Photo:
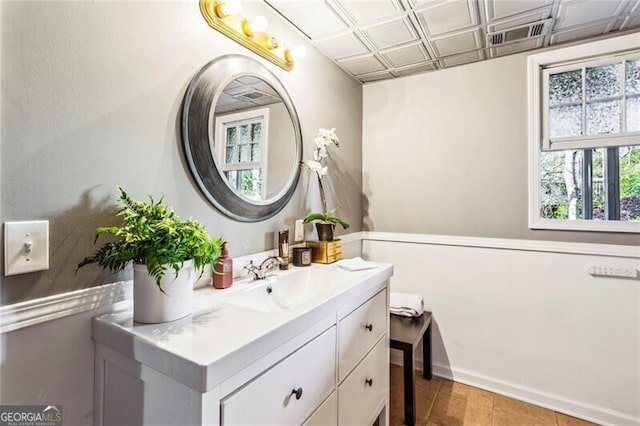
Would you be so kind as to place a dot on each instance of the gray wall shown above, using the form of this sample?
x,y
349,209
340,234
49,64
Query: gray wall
x,y
91,98
446,153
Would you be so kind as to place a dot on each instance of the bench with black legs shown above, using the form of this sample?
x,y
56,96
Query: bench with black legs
x,y
406,333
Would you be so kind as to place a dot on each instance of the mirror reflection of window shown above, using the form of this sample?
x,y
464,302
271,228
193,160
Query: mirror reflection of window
x,y
241,155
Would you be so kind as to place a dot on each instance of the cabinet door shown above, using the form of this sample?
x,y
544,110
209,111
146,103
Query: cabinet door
x,y
326,414
359,330
364,392
271,398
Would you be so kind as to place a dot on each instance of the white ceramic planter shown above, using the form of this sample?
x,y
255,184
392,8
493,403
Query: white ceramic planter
x,y
150,305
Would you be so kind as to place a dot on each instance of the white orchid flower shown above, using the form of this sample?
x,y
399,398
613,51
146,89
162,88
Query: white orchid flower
x,y
329,135
320,153
321,142
316,167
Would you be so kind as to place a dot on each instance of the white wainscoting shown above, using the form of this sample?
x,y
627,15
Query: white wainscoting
x,y
46,349
525,319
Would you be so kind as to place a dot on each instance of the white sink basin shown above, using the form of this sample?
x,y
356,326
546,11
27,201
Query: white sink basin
x,y
286,290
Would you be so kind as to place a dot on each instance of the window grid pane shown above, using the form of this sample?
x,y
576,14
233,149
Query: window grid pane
x,y
562,195
565,121
632,81
565,88
603,117
596,100
602,82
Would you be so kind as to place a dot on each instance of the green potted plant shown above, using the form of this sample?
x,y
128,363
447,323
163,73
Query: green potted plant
x,y
165,250
326,220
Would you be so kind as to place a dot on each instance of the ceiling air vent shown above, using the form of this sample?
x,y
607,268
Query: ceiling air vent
x,y
252,96
519,33
496,38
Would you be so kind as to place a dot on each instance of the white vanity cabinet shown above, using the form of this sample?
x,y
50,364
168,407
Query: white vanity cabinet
x,y
287,393
323,363
364,362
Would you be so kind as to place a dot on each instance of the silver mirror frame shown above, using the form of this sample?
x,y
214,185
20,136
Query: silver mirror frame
x,y
197,113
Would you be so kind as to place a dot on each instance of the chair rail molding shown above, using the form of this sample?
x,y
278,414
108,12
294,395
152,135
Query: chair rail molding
x,y
37,311
608,250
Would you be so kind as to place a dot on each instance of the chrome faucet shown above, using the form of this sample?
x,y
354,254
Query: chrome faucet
x,y
260,272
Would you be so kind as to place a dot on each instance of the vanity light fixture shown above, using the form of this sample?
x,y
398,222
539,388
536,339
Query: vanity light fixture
x,y
224,16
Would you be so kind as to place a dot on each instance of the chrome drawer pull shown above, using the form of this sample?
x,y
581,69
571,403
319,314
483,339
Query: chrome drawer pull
x,y
369,327
369,382
297,393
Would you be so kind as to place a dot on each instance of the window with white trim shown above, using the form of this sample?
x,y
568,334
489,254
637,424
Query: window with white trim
x,y
584,107
242,151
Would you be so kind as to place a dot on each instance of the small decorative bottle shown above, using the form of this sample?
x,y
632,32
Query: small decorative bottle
x,y
283,248
223,269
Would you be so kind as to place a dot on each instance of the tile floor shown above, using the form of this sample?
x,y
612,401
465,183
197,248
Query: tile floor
x,y
446,403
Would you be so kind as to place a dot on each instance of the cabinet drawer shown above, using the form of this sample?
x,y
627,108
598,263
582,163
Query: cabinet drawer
x,y
365,390
359,331
270,398
326,414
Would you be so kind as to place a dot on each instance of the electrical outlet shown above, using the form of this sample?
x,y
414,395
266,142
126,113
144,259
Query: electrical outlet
x,y
299,231
26,247
612,271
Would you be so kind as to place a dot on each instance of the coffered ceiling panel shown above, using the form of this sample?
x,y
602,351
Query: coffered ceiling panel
x,y
583,12
464,58
406,55
457,43
416,69
517,20
391,33
344,45
362,65
497,9
365,12
385,75
379,39
446,16
583,32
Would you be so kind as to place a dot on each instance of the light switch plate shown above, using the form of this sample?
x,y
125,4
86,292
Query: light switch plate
x,y
26,247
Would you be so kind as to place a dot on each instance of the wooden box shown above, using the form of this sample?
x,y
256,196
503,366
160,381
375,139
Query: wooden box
x,y
325,251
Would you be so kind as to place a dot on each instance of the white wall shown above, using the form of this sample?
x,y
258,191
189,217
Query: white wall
x,y
526,323
91,98
451,148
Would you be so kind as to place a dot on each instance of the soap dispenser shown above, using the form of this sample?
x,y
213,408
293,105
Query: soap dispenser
x,y
223,269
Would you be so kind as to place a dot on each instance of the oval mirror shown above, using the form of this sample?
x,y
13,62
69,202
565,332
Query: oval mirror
x,y
241,138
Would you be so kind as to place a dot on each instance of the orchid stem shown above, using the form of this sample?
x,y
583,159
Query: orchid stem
x,y
323,198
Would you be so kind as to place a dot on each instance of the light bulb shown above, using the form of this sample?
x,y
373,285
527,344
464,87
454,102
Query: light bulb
x,y
271,43
259,23
232,7
299,51
228,8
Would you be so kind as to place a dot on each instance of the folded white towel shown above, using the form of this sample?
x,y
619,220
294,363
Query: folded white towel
x,y
356,264
406,304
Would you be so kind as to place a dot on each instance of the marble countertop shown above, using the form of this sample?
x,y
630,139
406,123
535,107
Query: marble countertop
x,y
219,339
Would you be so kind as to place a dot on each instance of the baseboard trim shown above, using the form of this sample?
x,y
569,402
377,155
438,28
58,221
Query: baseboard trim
x,y
587,412
609,250
37,311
